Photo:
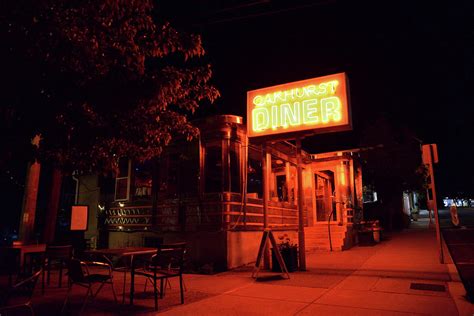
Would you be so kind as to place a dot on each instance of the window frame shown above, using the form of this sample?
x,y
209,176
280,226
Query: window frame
x,y
128,178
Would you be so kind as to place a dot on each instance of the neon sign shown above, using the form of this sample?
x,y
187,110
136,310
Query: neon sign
x,y
318,105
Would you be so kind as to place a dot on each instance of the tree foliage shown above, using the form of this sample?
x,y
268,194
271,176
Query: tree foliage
x,y
107,79
392,165
394,162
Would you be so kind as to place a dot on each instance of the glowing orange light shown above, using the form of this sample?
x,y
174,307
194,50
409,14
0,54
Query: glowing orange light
x,y
342,173
318,103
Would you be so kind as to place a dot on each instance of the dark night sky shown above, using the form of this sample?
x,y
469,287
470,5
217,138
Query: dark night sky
x,y
412,62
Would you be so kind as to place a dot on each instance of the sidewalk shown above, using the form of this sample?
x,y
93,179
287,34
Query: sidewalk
x,y
361,281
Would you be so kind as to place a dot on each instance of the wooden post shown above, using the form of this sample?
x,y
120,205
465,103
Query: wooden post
x,y
27,221
53,206
28,212
301,241
266,170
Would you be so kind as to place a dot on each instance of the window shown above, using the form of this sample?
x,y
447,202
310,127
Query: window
x,y
122,182
142,180
213,168
254,174
189,171
172,174
282,188
179,170
234,153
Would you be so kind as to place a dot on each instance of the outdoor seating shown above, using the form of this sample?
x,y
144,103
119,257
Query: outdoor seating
x,y
9,263
59,255
153,242
21,259
122,265
166,264
120,259
117,263
19,295
79,274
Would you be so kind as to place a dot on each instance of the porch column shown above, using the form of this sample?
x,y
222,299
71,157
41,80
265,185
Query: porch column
x,y
344,189
226,181
288,183
359,192
301,241
266,171
352,193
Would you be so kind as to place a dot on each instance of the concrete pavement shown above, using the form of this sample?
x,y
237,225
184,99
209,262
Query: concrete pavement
x,y
361,281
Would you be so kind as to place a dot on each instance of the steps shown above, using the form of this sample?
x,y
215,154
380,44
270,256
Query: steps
x,y
316,237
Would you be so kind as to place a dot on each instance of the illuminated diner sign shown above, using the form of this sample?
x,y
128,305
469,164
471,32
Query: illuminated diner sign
x,y
315,105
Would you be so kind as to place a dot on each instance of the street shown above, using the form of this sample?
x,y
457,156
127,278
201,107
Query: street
x,y
460,242
466,218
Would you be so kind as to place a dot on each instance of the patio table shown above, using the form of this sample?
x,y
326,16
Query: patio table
x,y
18,253
123,252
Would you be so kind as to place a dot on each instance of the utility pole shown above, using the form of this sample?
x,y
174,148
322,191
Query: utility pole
x,y
430,157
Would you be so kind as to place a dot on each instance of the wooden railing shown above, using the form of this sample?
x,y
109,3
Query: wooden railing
x,y
211,213
128,217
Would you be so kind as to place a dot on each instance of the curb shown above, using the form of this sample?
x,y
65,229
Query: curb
x,y
455,287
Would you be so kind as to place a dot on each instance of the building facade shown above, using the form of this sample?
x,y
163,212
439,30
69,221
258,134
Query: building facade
x,y
209,193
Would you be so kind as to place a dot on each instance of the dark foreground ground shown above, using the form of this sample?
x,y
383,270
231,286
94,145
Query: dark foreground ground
x,y
399,276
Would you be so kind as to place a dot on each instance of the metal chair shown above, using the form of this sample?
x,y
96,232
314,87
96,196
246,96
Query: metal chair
x,y
20,294
167,263
121,266
154,242
79,274
56,254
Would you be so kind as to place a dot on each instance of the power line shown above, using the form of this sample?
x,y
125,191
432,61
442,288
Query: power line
x,y
267,13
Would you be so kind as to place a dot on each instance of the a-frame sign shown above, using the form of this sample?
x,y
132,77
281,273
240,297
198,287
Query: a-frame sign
x,y
267,234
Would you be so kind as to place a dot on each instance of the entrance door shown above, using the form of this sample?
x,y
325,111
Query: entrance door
x,y
281,188
325,201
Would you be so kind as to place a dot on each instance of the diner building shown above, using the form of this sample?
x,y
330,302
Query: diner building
x,y
209,193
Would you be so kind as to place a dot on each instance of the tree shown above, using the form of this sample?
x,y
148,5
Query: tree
x,y
101,79
392,166
118,82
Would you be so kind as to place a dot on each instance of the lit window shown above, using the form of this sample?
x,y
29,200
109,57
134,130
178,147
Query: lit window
x,y
122,182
